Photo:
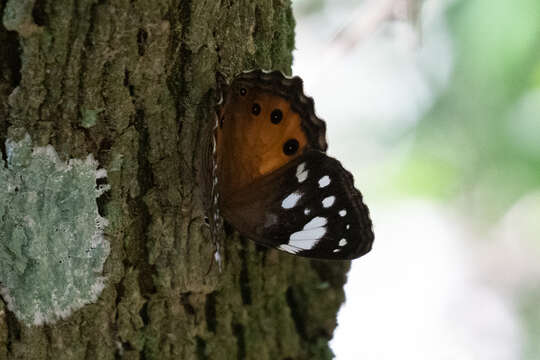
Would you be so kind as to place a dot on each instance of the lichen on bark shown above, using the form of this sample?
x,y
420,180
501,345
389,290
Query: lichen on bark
x,y
53,249
147,70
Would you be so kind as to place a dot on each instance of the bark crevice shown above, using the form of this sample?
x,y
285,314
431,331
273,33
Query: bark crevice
x,y
145,179
38,13
239,333
10,74
296,312
210,312
244,280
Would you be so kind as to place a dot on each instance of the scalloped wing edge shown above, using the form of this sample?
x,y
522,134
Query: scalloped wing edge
x,y
292,89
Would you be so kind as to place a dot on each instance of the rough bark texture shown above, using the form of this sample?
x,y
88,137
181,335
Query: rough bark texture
x,y
144,72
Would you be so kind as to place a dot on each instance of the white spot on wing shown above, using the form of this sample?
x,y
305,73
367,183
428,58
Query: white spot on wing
x,y
336,250
301,172
329,201
305,244
324,181
310,235
348,226
306,211
342,242
315,222
288,248
307,235
342,213
290,201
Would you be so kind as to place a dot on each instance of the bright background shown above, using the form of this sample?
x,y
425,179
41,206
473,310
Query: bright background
x,y
434,106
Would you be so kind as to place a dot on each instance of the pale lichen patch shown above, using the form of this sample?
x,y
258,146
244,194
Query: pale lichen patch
x,y
52,246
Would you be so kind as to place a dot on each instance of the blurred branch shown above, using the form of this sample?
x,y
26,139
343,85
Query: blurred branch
x,y
414,8
369,16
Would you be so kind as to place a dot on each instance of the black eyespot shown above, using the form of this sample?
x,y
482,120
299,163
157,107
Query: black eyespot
x,y
290,147
276,116
256,109
243,91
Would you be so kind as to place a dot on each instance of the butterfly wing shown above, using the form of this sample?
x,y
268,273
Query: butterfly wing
x,y
275,183
310,208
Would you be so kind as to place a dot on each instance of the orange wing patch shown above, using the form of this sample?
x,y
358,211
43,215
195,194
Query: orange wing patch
x,y
258,133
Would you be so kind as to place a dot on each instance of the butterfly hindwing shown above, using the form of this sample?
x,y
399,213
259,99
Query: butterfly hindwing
x,y
312,209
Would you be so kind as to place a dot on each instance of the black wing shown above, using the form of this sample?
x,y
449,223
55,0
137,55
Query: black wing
x,y
309,208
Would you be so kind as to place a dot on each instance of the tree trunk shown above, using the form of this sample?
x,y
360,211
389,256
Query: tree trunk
x,y
133,83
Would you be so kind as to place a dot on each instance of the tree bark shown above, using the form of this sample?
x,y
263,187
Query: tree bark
x,y
133,83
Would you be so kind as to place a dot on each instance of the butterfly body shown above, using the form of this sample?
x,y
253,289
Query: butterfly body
x,y
275,184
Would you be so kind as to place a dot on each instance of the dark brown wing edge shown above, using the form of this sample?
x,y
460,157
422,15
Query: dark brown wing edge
x,y
292,89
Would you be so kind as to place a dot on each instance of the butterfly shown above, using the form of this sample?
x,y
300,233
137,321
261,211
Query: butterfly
x,y
273,181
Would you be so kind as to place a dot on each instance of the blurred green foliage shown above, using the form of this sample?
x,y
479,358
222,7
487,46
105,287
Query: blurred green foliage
x,y
531,313
479,146
480,143
307,7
